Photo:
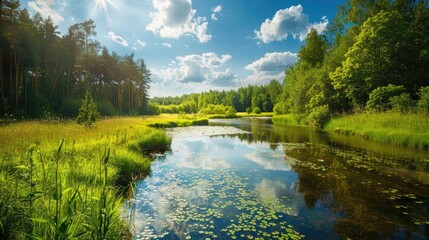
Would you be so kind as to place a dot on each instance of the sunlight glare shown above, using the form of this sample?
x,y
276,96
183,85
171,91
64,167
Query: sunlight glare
x,y
105,6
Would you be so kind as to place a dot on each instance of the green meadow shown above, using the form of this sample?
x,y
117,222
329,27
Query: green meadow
x,y
59,180
411,130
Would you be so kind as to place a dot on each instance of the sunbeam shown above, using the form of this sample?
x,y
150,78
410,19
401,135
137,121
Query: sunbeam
x,y
105,6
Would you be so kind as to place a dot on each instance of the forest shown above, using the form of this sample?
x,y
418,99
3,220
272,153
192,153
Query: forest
x,y
45,73
374,57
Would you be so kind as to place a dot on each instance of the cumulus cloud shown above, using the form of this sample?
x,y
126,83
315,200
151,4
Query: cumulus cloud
x,y
194,73
118,39
216,11
176,18
45,8
167,45
197,68
287,21
273,62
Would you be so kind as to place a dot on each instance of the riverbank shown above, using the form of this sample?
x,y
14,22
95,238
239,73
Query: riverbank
x,y
410,130
58,179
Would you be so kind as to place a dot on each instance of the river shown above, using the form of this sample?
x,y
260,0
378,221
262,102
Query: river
x,y
248,179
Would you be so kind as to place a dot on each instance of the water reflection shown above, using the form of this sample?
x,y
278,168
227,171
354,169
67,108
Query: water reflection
x,y
282,182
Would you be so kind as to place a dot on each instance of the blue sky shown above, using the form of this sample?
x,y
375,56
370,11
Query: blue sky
x,y
197,45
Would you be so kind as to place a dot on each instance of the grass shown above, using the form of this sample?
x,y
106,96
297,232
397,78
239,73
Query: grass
x,y
290,120
411,130
52,188
263,114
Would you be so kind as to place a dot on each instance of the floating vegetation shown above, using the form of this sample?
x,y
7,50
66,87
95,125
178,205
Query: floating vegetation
x,y
218,204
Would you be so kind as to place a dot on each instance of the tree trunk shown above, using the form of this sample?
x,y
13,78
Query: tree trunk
x,y
16,80
1,81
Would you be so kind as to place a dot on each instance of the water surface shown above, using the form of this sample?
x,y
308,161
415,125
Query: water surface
x,y
249,179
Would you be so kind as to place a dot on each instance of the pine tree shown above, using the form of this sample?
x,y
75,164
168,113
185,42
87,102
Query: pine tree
x,y
88,113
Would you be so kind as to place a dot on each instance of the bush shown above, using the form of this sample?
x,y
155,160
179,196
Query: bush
x,y
228,111
153,109
248,110
106,108
319,115
153,141
257,110
70,108
423,103
402,103
379,99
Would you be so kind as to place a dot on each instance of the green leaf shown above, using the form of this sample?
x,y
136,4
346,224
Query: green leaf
x,y
95,198
39,220
21,167
66,190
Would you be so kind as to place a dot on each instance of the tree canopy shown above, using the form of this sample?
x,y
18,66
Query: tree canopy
x,y
43,72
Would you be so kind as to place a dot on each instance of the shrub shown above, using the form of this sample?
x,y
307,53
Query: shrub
x,y
379,99
153,109
153,141
106,108
319,115
257,110
70,107
228,111
402,103
248,110
423,103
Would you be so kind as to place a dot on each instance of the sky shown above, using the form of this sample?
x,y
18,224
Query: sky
x,y
198,45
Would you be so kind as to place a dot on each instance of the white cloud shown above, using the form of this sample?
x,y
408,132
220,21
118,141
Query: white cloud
x,y
167,45
176,18
118,39
141,43
44,7
193,73
222,79
215,11
261,78
273,62
288,21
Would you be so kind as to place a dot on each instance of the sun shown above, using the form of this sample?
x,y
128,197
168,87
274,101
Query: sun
x,y
105,7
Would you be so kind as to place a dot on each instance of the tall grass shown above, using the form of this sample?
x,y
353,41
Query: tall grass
x,y
71,189
290,120
410,130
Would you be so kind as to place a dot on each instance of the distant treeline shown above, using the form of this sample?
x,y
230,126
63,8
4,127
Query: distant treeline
x,y
44,73
374,56
250,98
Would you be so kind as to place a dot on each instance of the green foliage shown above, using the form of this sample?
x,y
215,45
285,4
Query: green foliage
x,y
380,98
257,110
423,103
70,108
313,53
402,103
106,108
290,120
152,141
228,111
248,110
48,71
410,130
319,116
68,191
153,109
88,113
